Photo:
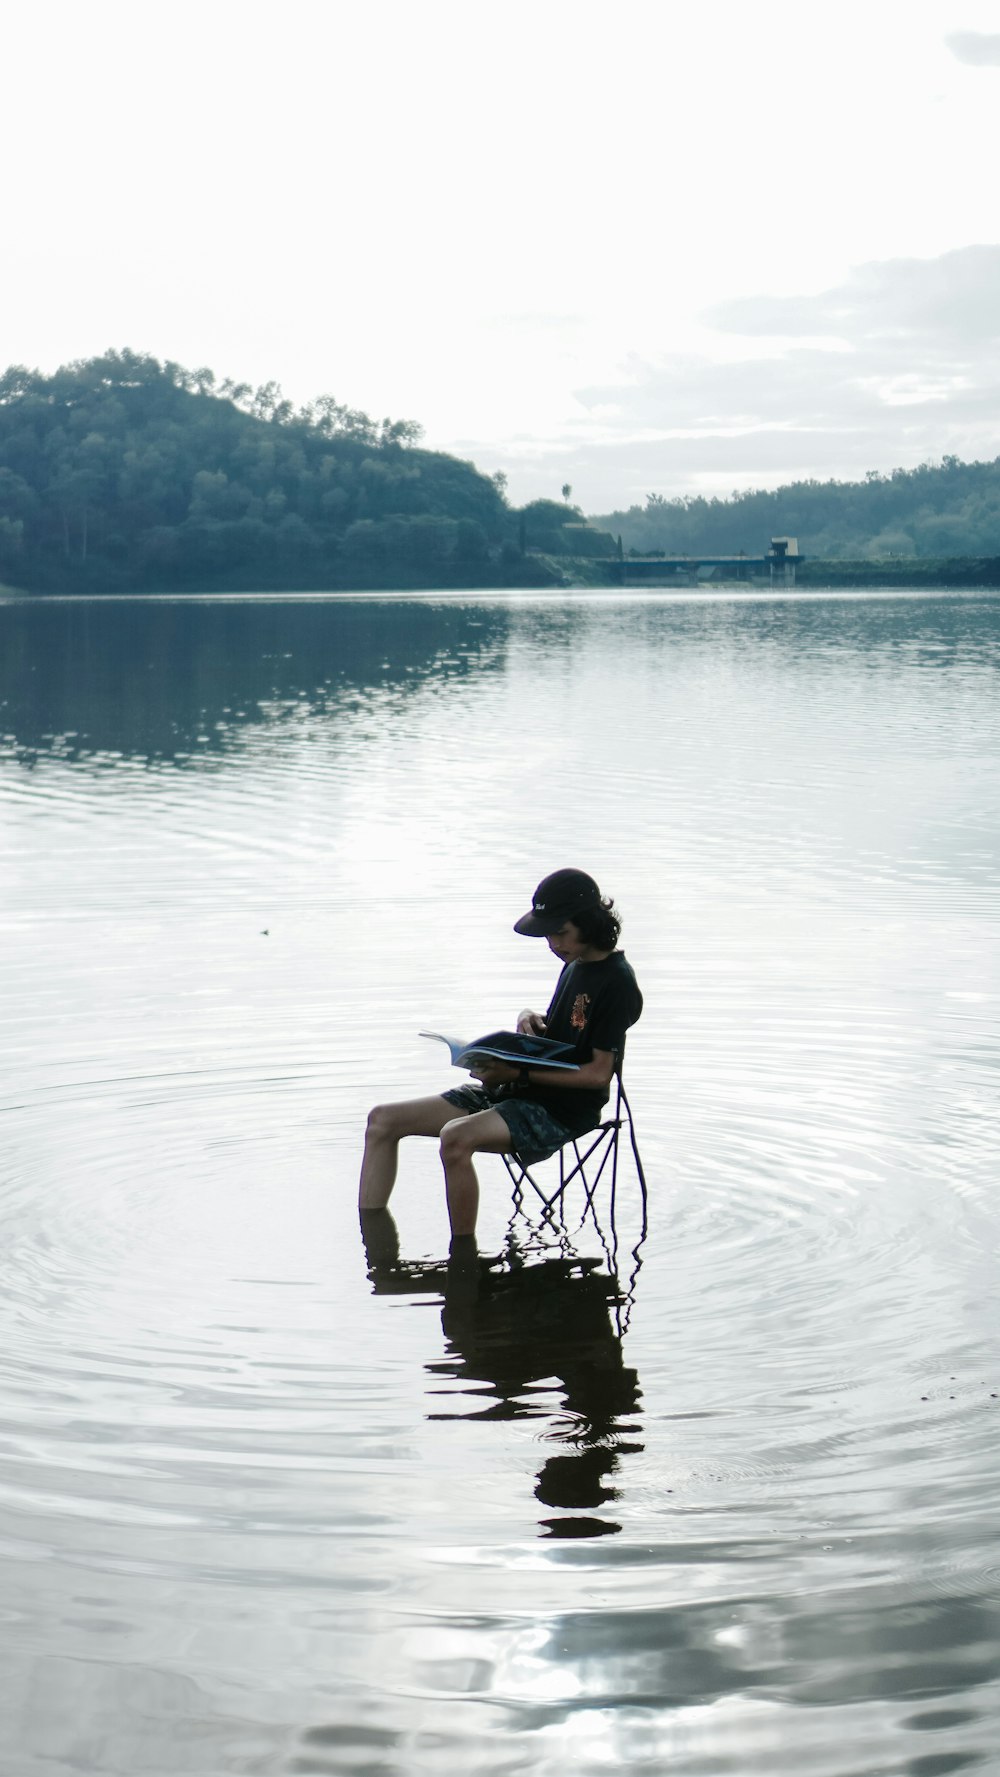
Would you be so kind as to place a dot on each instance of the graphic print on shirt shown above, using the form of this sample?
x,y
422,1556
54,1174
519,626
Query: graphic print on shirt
x,y
578,1016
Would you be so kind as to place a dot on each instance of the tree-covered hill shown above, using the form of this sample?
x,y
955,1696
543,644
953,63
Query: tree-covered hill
x,y
950,510
123,473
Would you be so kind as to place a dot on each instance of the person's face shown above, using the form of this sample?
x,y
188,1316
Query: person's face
x,y
568,945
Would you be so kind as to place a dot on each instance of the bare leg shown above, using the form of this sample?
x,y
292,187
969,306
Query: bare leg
x,y
485,1132
381,1240
387,1125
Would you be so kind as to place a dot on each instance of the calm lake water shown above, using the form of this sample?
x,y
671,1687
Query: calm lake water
x,y
723,1501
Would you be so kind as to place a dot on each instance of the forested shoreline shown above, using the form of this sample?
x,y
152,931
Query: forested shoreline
x,y
935,511
124,474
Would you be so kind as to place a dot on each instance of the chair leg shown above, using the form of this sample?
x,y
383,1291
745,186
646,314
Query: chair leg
x,y
519,1173
640,1173
570,1168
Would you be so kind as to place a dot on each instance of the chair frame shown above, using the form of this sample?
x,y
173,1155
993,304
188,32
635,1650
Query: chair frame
x,y
574,1157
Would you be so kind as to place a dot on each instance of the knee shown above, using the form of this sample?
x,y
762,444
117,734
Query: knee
x,y
381,1122
455,1144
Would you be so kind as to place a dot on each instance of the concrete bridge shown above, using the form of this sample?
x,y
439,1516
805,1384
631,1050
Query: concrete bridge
x,y
777,566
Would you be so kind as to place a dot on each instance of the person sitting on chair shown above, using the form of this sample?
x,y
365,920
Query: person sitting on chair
x,y
531,1112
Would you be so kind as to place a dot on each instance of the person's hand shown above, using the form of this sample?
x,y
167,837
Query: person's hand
x,y
531,1024
494,1073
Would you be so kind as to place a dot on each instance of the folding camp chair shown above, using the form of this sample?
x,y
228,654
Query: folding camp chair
x,y
587,1158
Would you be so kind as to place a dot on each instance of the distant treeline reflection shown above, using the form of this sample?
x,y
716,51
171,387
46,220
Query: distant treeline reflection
x,y
160,679
183,679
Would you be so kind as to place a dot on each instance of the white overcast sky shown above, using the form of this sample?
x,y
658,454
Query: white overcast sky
x,y
637,247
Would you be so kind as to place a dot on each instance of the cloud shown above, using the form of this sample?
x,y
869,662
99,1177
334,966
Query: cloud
x,y
933,302
897,365
979,49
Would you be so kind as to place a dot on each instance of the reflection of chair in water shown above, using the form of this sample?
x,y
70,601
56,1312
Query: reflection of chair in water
x,y
519,1329
522,1334
590,1158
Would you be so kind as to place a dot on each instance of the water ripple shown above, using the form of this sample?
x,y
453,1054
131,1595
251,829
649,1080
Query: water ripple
x,y
731,1511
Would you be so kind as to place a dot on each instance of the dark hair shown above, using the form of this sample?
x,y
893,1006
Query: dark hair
x,y
600,926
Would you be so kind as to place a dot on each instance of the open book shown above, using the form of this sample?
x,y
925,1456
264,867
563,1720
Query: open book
x,y
507,1045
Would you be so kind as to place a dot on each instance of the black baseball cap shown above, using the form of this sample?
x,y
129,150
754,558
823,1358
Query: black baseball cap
x,y
555,900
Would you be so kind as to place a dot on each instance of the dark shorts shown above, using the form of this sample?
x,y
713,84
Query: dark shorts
x,y
534,1132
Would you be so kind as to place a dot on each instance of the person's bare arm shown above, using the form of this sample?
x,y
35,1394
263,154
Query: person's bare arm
x,y
594,1075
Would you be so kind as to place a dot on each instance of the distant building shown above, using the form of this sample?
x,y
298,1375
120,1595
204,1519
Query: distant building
x,y
784,557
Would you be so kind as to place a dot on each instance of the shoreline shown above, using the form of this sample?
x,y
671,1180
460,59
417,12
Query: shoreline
x,y
557,574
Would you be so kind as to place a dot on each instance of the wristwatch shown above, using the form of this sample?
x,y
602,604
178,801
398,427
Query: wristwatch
x,y
524,1075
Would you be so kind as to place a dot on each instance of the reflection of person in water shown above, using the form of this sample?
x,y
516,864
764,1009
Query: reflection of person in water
x,y
519,1109
515,1327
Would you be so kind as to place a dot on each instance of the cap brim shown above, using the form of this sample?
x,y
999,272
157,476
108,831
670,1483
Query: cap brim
x,y
541,925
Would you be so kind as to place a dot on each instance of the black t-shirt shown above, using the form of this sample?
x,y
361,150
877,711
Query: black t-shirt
x,y
592,1007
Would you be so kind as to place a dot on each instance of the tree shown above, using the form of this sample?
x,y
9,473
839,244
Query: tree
x,y
953,508
17,381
